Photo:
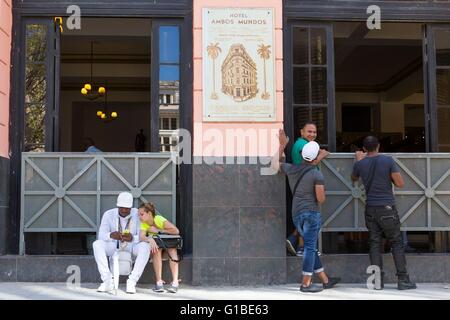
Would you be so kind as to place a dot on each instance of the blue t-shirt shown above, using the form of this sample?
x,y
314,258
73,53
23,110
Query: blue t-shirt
x,y
380,193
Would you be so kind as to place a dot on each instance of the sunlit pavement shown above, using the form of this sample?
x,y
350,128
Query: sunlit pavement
x,y
56,291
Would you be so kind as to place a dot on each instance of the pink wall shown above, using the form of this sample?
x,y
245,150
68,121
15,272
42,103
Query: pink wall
x,y
5,52
202,134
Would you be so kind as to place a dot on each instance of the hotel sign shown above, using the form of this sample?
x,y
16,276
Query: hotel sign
x,y
238,64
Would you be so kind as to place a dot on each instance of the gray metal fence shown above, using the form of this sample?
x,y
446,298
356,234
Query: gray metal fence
x,y
68,192
423,204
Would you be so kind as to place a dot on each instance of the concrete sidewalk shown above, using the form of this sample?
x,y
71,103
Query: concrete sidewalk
x,y
58,291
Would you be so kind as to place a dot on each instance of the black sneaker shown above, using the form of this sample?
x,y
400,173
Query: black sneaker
x,y
290,247
405,284
331,282
312,288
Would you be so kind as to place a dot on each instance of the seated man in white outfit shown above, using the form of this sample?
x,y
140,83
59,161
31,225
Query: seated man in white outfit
x,y
120,229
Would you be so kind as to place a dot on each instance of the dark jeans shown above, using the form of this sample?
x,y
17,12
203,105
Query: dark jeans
x,y
385,220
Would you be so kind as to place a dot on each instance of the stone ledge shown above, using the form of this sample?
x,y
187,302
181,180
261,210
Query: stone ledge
x,y
53,269
423,268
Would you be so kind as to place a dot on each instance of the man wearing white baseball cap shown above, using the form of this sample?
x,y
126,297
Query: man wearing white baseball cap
x,y
308,188
119,229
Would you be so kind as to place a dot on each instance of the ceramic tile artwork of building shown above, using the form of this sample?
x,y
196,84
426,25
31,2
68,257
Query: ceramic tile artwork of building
x,y
239,74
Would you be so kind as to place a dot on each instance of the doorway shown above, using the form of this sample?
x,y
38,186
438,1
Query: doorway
x,y
391,83
113,54
133,62
114,83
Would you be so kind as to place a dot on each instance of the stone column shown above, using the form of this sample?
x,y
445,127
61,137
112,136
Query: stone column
x,y
5,63
239,214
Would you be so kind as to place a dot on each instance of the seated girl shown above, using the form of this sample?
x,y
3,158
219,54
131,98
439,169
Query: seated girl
x,y
152,224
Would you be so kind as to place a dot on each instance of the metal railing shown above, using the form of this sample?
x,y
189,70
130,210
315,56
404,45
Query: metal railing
x,y
423,204
68,192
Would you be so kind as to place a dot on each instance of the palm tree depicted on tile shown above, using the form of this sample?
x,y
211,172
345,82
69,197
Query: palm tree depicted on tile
x,y
213,52
264,53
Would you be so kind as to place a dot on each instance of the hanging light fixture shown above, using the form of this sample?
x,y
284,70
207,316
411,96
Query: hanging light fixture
x,y
104,114
87,90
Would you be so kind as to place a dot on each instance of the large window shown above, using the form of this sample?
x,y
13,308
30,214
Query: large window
x,y
41,69
169,85
442,45
379,86
35,87
312,97
354,82
138,62
113,53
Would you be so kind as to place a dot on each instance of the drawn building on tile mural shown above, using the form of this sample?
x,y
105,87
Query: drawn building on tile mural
x,y
239,74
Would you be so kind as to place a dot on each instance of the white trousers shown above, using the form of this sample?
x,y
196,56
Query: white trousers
x,y
105,249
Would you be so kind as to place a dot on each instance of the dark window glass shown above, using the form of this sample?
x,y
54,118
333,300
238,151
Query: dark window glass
x,y
319,85
300,44
443,125
301,85
442,47
319,117
443,86
310,82
173,123
301,116
356,118
165,124
442,42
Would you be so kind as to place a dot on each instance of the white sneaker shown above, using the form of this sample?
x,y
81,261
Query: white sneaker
x,y
131,286
106,286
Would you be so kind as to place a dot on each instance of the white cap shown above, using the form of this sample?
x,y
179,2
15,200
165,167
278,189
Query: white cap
x,y
310,151
125,200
